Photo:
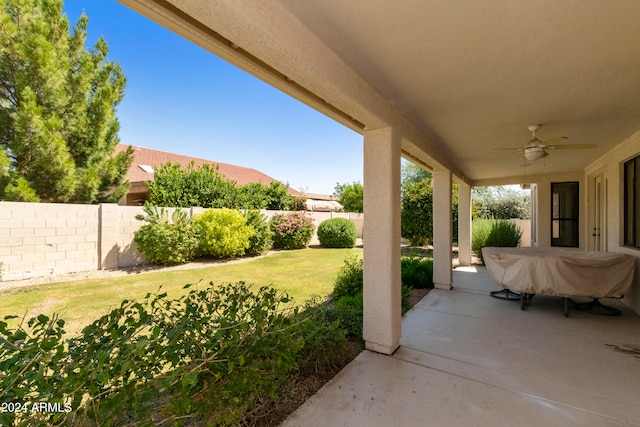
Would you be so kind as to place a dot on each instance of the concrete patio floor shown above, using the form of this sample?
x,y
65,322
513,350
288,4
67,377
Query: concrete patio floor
x,y
467,359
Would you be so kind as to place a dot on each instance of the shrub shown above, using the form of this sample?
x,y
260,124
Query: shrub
x,y
164,242
260,242
492,233
504,233
417,273
349,285
337,233
348,312
349,280
215,353
480,231
323,336
224,233
405,295
291,230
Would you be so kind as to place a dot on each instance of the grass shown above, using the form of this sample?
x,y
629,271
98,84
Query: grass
x,y
301,274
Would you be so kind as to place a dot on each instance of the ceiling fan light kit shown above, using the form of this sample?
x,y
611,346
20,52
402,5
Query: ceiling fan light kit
x,y
536,149
535,153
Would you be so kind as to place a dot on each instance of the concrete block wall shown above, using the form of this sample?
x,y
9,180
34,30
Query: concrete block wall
x,y
125,247
42,239
46,239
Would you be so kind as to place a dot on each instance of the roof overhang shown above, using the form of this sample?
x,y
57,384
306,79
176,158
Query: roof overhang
x,y
459,79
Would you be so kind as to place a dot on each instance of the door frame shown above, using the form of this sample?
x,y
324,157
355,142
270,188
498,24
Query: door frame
x,y
597,211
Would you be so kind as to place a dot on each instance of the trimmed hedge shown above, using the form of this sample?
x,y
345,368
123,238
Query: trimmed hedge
x,y
224,233
291,230
337,233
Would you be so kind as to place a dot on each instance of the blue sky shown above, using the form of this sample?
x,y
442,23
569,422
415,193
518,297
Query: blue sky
x,y
183,99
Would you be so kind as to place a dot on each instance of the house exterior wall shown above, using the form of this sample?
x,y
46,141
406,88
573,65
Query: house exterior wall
x,y
610,166
136,195
543,207
45,239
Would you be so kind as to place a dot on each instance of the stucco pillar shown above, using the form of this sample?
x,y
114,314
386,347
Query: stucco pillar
x,y
382,296
442,230
464,224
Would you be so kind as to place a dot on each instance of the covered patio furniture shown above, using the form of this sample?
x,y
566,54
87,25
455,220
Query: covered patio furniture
x,y
561,272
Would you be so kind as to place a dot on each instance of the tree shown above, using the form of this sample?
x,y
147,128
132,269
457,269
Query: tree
x,y
251,196
501,202
58,127
277,196
412,173
417,212
205,186
350,196
417,206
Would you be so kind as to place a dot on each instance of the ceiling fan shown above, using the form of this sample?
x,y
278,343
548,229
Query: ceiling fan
x,y
536,149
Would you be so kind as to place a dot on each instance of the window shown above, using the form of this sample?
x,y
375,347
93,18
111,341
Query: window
x,y
564,214
632,202
146,168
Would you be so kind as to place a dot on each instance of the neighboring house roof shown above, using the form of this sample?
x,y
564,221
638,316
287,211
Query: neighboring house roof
x,y
322,202
145,160
323,205
317,196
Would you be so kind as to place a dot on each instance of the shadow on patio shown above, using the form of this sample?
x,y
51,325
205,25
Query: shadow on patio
x,y
469,359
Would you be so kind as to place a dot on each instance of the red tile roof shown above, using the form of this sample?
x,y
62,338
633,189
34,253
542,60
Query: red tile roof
x,y
156,158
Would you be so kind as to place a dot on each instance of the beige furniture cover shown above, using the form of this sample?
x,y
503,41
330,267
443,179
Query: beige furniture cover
x,y
560,272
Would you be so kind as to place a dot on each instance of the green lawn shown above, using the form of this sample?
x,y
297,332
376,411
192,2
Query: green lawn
x,y
302,274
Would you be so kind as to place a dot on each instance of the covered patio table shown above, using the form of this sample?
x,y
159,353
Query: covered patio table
x,y
560,272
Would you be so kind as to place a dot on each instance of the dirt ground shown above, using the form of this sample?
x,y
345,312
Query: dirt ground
x,y
302,385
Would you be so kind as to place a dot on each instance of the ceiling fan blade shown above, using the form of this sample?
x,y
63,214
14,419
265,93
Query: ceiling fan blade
x,y
556,140
509,149
571,146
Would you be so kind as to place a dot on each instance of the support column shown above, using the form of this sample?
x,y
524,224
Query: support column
x,y
382,295
464,224
442,230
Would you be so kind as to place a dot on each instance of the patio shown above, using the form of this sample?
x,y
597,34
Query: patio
x,y
469,359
